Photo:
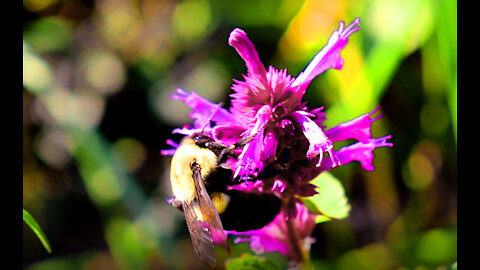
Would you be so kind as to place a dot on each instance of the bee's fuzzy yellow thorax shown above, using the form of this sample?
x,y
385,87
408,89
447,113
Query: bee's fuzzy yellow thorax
x,y
181,175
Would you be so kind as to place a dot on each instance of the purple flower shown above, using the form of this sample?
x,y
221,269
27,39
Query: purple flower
x,y
290,237
290,144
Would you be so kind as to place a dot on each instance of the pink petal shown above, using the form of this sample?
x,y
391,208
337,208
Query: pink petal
x,y
250,159
228,134
319,142
270,146
203,109
248,186
274,236
239,40
329,56
358,128
362,152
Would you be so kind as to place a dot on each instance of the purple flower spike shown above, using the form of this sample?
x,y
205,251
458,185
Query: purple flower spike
x,y
287,140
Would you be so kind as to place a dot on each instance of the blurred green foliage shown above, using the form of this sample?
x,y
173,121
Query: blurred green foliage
x,y
250,262
96,113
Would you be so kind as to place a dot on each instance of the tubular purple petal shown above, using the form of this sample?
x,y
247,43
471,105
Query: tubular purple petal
x,y
319,142
249,186
358,128
363,152
250,159
170,152
172,143
270,146
329,56
227,134
239,40
184,131
203,109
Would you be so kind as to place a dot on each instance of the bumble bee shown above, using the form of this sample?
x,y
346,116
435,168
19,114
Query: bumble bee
x,y
199,179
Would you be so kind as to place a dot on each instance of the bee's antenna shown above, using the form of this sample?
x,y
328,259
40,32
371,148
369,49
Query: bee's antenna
x,y
211,115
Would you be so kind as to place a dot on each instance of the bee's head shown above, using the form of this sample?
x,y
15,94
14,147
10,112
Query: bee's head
x,y
202,139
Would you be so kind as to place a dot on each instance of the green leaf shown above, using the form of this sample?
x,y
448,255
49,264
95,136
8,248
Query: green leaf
x,y
330,202
36,229
250,262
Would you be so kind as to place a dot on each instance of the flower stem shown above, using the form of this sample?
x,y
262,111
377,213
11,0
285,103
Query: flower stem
x,y
293,238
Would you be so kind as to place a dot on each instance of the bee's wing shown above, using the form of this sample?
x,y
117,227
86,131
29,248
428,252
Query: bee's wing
x,y
203,222
201,237
210,211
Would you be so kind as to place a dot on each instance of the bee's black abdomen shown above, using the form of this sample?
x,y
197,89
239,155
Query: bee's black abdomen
x,y
249,211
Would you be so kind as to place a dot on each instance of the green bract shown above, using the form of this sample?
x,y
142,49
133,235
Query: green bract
x,y
330,202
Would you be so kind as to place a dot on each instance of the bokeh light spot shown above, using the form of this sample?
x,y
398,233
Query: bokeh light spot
x,y
373,256
437,246
132,152
36,74
422,170
49,34
84,109
423,165
105,187
191,20
382,15
37,5
52,148
208,79
33,198
310,29
104,71
89,108
434,118
119,23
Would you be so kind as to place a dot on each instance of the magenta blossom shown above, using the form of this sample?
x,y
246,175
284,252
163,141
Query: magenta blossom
x,y
288,237
269,105
290,146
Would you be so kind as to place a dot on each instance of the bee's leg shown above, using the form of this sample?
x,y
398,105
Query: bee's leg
x,y
177,204
226,152
247,139
214,145
243,141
